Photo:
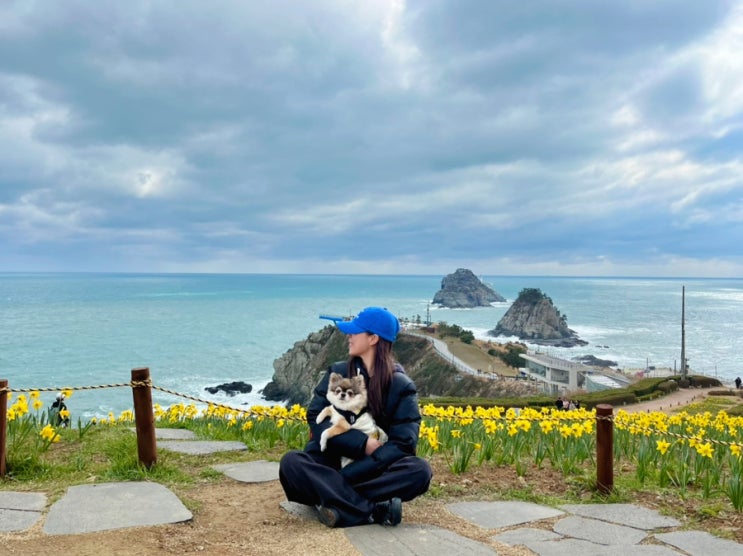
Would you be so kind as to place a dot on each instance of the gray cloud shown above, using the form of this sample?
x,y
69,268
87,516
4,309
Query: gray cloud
x,y
372,136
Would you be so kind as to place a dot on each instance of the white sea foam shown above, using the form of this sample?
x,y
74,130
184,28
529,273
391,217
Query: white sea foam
x,y
719,295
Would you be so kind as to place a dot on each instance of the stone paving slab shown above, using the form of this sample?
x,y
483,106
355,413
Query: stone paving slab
x,y
202,447
701,543
299,510
25,501
600,532
174,434
99,507
496,515
624,514
20,510
413,540
17,520
403,540
524,535
171,434
577,547
259,471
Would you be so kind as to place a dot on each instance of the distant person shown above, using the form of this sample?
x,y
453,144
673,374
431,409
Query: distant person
x,y
559,403
737,382
56,416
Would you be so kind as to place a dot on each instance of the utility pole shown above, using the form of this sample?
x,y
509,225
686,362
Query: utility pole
x,y
683,334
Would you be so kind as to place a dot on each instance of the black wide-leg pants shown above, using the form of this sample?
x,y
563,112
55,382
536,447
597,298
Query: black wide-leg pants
x,y
309,479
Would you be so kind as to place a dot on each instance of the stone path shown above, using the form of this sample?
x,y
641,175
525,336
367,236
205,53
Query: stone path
x,y
574,530
581,530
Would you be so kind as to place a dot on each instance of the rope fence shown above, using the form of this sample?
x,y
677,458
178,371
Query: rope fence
x,y
71,388
136,384
142,386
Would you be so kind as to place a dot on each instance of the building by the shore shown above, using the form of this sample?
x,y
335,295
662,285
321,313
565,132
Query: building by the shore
x,y
557,376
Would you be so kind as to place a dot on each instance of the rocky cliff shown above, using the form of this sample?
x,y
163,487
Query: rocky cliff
x,y
465,290
298,370
534,318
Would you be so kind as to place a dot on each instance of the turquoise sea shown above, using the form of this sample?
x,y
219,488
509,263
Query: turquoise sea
x,y
200,330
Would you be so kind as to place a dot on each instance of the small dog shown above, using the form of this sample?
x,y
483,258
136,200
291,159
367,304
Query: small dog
x,y
347,397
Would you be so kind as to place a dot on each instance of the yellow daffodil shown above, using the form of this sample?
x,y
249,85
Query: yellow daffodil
x,y
662,446
49,434
705,450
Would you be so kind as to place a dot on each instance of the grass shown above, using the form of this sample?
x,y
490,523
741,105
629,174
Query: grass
x,y
107,452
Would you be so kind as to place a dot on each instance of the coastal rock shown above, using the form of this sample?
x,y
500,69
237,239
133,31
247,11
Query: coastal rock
x,y
231,388
533,318
593,361
297,372
465,290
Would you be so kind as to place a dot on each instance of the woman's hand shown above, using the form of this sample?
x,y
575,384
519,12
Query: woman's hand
x,y
371,445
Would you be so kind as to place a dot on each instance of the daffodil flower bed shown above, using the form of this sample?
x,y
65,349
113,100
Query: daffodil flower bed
x,y
681,451
690,453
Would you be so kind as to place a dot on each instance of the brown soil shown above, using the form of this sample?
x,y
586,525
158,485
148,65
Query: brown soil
x,y
238,518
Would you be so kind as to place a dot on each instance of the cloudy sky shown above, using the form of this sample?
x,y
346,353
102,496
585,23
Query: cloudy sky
x,y
372,136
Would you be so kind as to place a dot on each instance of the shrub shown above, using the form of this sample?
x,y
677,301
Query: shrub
x,y
445,330
668,386
532,295
645,386
701,381
721,393
512,356
467,336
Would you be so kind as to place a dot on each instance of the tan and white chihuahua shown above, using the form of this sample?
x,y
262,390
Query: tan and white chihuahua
x,y
347,410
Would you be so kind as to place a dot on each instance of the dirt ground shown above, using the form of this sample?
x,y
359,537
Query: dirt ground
x,y
238,518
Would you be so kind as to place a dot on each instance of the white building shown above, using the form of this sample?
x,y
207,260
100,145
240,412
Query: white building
x,y
560,375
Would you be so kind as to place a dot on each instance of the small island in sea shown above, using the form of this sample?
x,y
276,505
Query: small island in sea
x,y
534,318
464,290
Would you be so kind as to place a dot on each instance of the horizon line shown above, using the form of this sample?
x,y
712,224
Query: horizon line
x,y
426,275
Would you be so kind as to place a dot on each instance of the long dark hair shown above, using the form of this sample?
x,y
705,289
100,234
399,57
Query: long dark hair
x,y
380,377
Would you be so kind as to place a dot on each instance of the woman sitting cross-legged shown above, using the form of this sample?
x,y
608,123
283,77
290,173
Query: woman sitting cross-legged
x,y
381,476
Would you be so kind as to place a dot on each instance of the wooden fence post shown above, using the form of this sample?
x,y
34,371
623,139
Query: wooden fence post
x,y
604,448
144,417
3,424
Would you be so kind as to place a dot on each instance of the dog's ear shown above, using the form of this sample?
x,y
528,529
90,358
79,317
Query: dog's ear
x,y
335,378
359,383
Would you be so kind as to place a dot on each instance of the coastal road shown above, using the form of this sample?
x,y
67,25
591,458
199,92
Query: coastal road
x,y
668,404
443,350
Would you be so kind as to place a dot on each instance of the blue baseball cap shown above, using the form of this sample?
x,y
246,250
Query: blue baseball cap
x,y
376,320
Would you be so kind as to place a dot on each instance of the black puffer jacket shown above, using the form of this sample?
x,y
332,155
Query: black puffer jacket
x,y
401,421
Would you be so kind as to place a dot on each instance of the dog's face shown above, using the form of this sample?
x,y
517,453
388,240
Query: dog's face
x,y
348,394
